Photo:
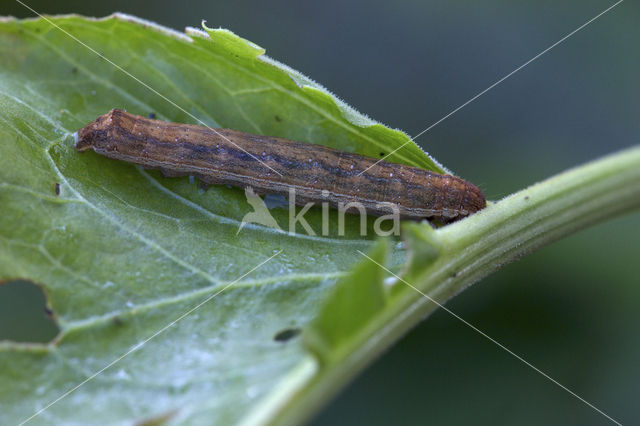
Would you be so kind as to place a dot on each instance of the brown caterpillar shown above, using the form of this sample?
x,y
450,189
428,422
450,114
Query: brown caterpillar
x,y
316,173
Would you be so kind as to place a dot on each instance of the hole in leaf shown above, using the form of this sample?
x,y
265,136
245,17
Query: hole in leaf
x,y
24,314
286,334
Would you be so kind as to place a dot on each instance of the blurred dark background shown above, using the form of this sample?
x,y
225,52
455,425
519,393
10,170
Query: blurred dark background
x,y
571,309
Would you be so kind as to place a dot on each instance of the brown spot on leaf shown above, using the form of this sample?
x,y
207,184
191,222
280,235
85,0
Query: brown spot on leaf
x,y
286,334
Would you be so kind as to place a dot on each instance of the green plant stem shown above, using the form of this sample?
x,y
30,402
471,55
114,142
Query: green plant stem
x,y
468,251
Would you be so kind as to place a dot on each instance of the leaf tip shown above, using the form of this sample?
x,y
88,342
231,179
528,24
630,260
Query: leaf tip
x,y
423,246
233,43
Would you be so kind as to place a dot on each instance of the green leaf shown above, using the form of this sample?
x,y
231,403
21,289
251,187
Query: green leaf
x,y
122,252
357,298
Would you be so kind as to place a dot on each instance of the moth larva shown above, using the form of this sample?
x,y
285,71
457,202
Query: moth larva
x,y
224,156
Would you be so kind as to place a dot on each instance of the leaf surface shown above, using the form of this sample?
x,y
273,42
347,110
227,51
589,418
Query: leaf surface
x,y
122,253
